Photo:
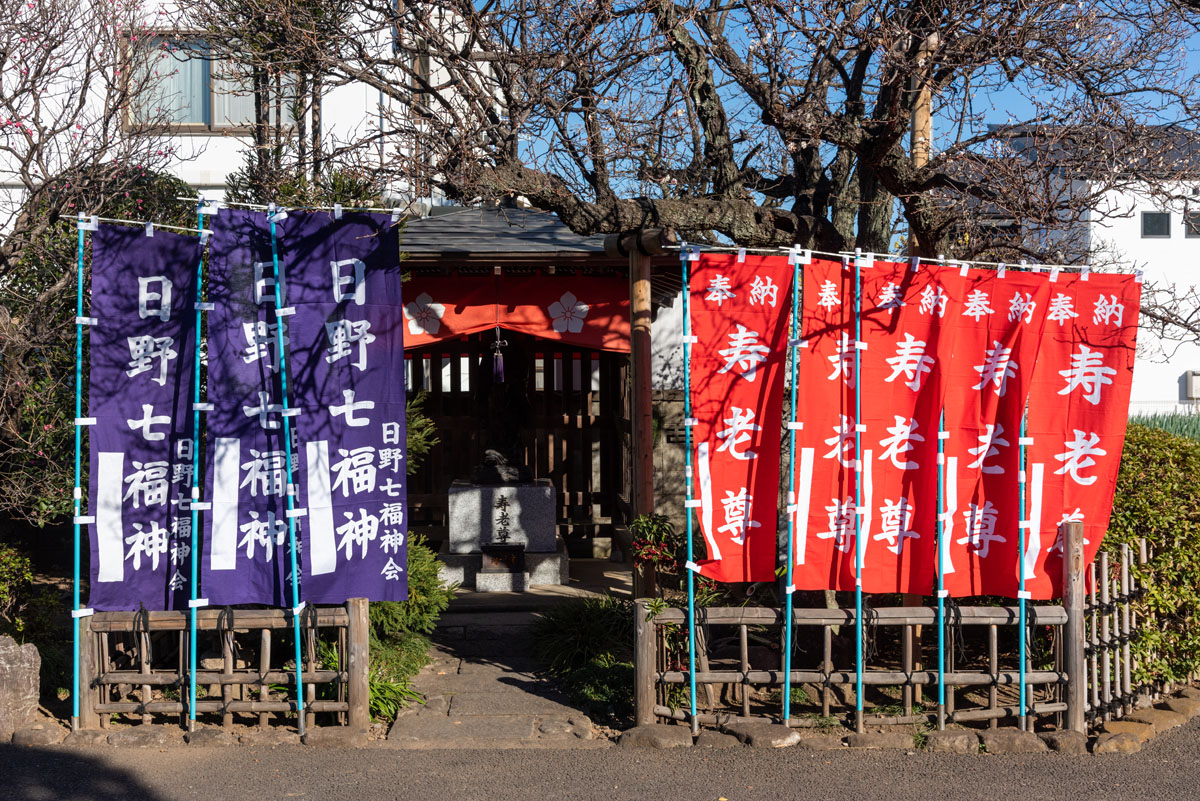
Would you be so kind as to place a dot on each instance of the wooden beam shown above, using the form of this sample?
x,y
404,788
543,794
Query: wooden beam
x,y
643,665
1075,649
358,663
648,242
89,716
642,462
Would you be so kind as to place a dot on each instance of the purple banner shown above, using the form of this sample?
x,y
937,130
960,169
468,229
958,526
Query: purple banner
x,y
246,556
140,393
346,361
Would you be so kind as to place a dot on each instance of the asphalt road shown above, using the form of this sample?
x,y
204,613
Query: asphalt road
x,y
1166,770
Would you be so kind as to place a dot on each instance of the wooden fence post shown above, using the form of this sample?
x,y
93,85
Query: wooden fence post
x,y
89,718
358,644
643,665
1074,646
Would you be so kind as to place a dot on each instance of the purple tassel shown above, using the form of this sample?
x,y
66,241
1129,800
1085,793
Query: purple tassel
x,y
498,358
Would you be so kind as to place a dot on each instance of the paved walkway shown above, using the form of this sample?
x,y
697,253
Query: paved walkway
x,y
490,702
485,689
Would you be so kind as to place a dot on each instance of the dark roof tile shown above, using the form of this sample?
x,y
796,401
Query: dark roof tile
x,y
494,230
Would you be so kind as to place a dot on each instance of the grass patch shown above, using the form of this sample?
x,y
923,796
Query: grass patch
x,y
587,644
1181,425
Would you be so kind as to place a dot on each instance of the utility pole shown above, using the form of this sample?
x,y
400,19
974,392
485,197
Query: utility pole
x,y
920,143
921,125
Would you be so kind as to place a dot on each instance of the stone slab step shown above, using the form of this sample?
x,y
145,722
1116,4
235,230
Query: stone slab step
x,y
514,703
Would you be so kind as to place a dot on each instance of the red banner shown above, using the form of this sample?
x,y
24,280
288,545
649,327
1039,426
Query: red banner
x,y
824,507
589,312
904,322
904,330
739,318
1000,320
1078,411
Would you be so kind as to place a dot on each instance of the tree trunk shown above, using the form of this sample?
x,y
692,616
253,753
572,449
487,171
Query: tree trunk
x,y
261,111
316,130
300,112
843,196
875,213
278,122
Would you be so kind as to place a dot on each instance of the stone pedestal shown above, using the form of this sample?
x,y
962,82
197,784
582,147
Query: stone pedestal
x,y
518,520
465,570
512,514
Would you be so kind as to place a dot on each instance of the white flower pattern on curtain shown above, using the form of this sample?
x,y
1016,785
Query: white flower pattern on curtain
x,y
424,316
567,314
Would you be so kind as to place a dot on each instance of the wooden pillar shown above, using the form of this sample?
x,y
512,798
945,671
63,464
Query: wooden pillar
x,y
358,646
639,246
643,665
1074,647
642,463
89,718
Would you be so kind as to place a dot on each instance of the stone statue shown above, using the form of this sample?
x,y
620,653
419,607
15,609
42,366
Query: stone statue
x,y
495,469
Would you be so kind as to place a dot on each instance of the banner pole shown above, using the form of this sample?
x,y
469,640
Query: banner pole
x,y
287,447
78,491
687,428
858,473
941,574
195,513
1021,594
789,587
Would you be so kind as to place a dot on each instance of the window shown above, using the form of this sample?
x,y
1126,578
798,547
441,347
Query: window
x,y
1156,225
1191,224
194,91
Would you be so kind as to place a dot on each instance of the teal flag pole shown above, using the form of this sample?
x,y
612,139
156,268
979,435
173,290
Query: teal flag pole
x,y
684,256
80,321
1022,595
941,574
789,587
858,499
281,314
193,603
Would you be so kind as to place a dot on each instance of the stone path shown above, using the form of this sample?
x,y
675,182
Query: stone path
x,y
483,689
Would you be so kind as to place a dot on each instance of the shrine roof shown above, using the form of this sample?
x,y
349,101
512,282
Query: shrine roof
x,y
494,231
473,242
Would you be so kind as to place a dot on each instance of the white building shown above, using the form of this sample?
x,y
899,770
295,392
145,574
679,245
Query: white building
x,y
1135,231
201,116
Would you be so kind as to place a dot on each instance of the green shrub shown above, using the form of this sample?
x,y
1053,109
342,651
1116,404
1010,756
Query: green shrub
x,y
399,647
428,597
588,645
1158,498
16,585
656,544
421,433
393,664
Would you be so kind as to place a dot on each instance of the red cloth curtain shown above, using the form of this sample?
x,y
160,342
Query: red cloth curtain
x,y
584,311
